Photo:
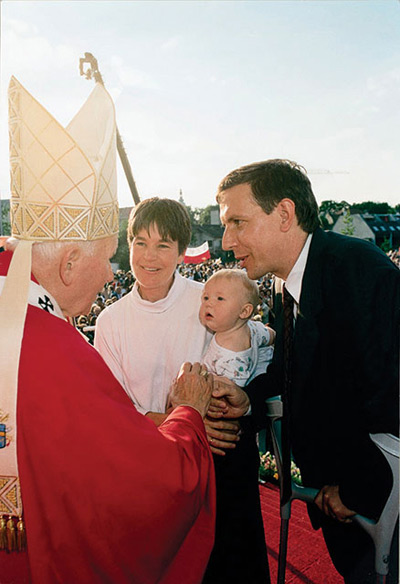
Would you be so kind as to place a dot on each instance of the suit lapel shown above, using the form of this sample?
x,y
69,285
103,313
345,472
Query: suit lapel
x,y
306,335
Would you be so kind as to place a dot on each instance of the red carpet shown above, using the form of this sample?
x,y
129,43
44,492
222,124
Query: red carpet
x,y
308,561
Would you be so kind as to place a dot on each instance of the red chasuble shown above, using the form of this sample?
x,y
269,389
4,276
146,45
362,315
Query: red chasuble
x,y
108,497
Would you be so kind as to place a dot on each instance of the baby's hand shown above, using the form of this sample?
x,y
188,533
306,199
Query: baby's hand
x,y
272,335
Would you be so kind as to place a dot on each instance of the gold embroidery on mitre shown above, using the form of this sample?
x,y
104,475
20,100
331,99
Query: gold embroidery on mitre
x,y
38,210
16,219
74,212
68,172
73,234
63,223
83,222
49,222
29,220
40,234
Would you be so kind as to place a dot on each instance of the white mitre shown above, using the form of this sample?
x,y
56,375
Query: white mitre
x,y
63,188
63,180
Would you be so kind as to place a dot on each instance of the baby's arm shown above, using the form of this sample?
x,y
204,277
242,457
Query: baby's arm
x,y
272,335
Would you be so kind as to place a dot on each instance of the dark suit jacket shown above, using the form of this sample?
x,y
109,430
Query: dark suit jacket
x,y
345,381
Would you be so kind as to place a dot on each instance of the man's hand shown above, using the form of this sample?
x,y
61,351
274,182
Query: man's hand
x,y
330,503
222,434
228,400
192,387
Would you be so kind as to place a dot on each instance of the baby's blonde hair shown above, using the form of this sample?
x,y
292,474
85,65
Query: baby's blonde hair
x,y
250,287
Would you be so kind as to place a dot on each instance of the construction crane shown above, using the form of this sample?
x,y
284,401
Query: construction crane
x,y
92,72
326,171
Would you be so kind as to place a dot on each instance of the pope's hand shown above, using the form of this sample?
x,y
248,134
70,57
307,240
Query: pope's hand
x,y
193,387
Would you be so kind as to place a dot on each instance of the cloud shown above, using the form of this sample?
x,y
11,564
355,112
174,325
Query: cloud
x,y
388,83
171,43
130,77
24,49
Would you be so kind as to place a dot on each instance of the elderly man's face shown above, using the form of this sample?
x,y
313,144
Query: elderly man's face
x,y
254,237
94,270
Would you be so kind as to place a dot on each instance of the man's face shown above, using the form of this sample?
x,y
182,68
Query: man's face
x,y
254,237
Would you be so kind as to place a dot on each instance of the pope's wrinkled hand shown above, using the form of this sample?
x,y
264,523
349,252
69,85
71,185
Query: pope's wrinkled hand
x,y
193,387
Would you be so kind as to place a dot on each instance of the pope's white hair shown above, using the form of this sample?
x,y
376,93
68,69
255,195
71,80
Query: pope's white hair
x,y
49,250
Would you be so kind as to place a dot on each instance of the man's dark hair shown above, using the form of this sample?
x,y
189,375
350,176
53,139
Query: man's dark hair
x,y
170,217
274,180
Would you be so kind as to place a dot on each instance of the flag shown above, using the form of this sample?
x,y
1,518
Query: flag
x,y
195,255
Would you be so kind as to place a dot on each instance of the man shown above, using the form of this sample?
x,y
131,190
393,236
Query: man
x,y
107,496
345,366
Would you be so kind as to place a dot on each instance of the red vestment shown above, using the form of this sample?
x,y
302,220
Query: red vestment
x,y
108,497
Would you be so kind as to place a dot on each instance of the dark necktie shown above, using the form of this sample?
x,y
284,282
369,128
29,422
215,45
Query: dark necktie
x,y
288,303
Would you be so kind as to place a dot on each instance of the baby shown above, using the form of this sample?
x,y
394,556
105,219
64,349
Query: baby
x,y
241,348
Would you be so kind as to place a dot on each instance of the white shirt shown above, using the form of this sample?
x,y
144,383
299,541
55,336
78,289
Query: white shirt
x,y
241,366
145,343
294,280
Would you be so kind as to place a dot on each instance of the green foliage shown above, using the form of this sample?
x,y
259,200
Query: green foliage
x,y
329,211
373,208
268,470
386,245
333,207
348,228
5,228
204,215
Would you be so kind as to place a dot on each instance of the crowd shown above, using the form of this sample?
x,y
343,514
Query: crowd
x,y
123,282
394,255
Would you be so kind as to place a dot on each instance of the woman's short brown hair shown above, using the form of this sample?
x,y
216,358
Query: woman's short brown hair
x,y
170,217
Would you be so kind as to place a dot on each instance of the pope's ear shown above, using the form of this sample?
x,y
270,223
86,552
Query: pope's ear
x,y
246,311
287,213
68,266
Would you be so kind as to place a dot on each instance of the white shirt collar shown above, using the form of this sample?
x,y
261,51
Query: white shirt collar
x,y
177,288
40,298
295,278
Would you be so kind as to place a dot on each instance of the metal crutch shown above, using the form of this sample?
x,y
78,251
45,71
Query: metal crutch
x,y
380,531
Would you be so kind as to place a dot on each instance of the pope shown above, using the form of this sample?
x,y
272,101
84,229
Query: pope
x,y
98,491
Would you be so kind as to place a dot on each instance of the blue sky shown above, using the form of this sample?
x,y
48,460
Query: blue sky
x,y
203,87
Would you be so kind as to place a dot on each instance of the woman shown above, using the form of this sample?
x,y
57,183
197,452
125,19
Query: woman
x,y
147,335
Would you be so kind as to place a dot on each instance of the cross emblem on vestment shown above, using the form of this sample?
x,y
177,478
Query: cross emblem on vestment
x,y
46,303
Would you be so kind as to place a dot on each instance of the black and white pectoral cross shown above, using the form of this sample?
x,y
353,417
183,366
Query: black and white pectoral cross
x,y
46,303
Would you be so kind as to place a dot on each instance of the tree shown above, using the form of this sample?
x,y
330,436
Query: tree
x,y
373,208
386,245
332,207
204,215
5,227
329,211
348,228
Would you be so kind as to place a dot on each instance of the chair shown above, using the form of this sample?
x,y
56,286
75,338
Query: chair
x,y
381,531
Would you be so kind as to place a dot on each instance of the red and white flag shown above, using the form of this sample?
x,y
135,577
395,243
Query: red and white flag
x,y
195,255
